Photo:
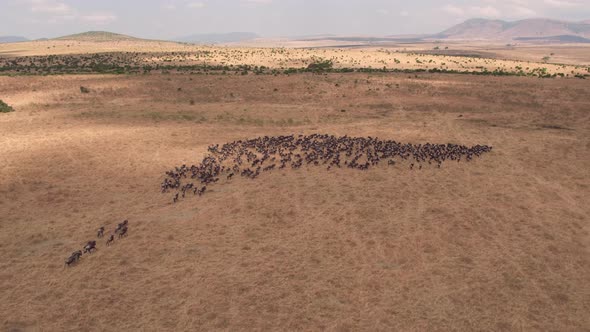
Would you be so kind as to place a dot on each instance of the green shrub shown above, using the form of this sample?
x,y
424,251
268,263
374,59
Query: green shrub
x,y
320,66
4,108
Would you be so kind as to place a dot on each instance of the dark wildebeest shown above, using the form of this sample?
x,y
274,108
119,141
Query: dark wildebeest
x,y
74,258
121,225
100,232
111,239
91,245
123,231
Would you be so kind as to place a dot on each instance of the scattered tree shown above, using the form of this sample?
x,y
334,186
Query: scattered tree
x,y
320,66
5,108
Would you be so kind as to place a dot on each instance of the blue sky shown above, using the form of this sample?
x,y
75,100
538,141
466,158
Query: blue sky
x,y
175,18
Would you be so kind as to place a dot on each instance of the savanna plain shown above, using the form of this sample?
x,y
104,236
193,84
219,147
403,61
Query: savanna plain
x,y
497,243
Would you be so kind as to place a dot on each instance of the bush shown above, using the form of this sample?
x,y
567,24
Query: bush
x,y
84,89
320,66
4,108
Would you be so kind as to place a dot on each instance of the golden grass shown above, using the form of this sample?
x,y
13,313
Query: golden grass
x,y
497,244
569,60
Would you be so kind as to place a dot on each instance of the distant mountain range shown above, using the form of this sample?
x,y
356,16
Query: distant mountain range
x,y
12,39
556,39
530,29
217,38
97,36
105,36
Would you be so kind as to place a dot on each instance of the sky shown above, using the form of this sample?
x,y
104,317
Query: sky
x,y
169,19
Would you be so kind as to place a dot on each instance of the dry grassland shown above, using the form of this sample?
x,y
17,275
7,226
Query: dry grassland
x,y
571,54
501,243
568,60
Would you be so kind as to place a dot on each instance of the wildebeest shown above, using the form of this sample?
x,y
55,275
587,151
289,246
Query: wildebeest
x,y
250,158
73,258
121,225
91,245
100,232
123,231
110,239
202,191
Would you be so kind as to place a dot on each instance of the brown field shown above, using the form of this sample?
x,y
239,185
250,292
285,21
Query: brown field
x,y
500,243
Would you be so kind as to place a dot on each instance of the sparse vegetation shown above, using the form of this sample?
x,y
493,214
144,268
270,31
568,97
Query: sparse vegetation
x,y
227,61
5,108
320,66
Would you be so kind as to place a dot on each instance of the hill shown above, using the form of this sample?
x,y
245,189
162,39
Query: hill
x,y
12,39
97,36
556,39
216,38
484,29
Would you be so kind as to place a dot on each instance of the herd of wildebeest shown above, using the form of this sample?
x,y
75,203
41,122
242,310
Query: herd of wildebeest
x,y
250,158
121,230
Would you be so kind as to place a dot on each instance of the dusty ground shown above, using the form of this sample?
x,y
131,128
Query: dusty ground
x,y
501,243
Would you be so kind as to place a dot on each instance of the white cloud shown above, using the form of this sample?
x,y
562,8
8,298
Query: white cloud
x,y
98,18
254,3
60,19
49,6
404,13
195,5
487,11
474,11
526,8
523,11
453,10
562,3
57,11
